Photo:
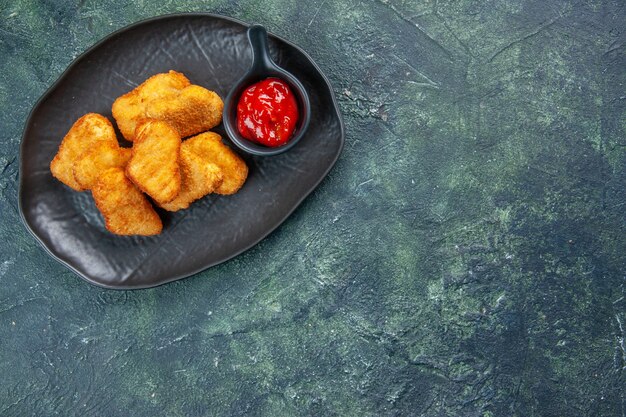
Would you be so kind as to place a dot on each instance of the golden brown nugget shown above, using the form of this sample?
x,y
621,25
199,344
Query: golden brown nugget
x,y
154,164
210,148
125,209
100,157
198,178
195,110
85,133
169,97
129,110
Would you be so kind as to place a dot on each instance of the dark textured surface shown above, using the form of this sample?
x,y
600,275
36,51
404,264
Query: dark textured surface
x,y
213,52
464,258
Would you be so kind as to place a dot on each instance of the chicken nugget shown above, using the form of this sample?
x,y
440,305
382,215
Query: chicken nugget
x,y
85,133
154,164
130,109
125,209
169,97
198,178
93,162
209,147
195,110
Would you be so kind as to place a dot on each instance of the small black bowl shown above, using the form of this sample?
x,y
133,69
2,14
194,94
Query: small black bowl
x,y
262,68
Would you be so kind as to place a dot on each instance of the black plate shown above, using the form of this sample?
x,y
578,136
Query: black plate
x,y
211,51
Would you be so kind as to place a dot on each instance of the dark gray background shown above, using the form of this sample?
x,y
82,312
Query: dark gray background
x,y
464,258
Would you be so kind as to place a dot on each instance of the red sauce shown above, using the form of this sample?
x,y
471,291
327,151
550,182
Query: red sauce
x,y
267,112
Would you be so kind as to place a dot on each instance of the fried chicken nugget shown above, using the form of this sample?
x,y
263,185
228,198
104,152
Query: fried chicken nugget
x,y
125,209
130,109
154,165
90,129
210,148
195,110
170,97
198,178
100,157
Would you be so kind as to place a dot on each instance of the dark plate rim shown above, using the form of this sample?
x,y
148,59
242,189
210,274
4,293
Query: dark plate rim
x,y
105,39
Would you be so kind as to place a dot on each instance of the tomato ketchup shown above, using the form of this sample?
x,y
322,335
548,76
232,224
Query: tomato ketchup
x,y
267,112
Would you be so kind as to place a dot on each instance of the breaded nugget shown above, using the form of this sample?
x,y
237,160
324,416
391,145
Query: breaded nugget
x,y
93,162
125,209
154,164
130,109
195,110
210,148
85,133
198,178
169,97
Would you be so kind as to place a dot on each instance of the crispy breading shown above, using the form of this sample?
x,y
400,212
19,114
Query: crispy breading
x,y
210,148
154,164
169,97
195,110
198,178
129,110
93,162
125,209
85,133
